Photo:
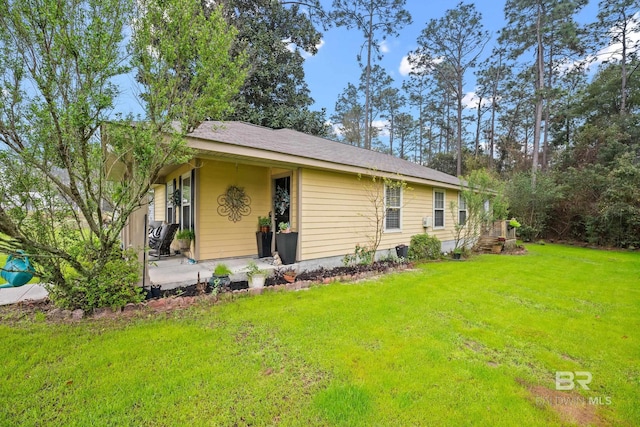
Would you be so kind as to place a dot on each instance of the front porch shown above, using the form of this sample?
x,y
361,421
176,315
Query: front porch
x,y
175,271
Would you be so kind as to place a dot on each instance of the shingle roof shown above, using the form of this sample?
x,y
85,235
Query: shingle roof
x,y
291,142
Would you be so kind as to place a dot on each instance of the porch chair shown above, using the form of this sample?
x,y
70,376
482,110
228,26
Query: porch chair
x,y
162,245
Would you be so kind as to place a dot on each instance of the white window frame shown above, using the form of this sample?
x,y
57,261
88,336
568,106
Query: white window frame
x,y
398,207
462,202
435,208
170,211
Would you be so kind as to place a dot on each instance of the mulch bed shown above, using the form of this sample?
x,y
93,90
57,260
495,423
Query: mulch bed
x,y
186,296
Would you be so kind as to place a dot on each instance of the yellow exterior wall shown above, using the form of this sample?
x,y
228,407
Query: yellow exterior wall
x,y
337,215
160,202
217,236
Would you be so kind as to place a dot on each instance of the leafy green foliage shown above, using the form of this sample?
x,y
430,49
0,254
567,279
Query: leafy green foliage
x,y
186,234
274,34
423,246
113,285
362,255
77,171
483,199
532,204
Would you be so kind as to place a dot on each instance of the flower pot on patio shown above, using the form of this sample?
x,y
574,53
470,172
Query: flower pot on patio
x,y
257,281
496,249
289,276
286,245
264,243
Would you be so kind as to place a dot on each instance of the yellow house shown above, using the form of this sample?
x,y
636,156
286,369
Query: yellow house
x,y
322,188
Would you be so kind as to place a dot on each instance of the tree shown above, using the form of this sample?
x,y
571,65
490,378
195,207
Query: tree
x,y
57,65
531,204
372,17
380,84
618,23
453,43
538,24
491,80
406,127
273,33
479,188
349,117
377,191
417,89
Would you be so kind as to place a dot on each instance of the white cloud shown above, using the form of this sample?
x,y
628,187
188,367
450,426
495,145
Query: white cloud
x,y
384,47
407,67
306,55
382,126
613,51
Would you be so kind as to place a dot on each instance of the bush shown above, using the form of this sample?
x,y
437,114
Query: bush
x,y
113,286
423,246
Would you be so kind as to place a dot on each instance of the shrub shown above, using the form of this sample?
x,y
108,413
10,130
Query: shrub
x,y
423,246
113,285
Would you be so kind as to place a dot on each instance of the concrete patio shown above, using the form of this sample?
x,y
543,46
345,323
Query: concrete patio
x,y
22,293
175,271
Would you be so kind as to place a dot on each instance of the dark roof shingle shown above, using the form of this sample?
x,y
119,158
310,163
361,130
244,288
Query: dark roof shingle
x,y
287,141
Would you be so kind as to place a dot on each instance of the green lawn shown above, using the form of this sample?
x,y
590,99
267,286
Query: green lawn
x,y
453,343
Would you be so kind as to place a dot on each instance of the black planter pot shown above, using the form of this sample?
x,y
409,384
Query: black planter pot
x,y
456,255
402,251
156,292
264,243
224,281
286,245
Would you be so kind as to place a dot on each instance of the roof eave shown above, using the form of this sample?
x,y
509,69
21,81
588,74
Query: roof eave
x,y
265,156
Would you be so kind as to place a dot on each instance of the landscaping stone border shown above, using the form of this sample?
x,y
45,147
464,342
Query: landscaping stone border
x,y
30,309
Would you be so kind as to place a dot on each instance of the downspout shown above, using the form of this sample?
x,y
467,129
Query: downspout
x,y
299,212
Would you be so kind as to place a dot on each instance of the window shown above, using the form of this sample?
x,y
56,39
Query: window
x,y
462,210
170,197
392,203
185,189
438,209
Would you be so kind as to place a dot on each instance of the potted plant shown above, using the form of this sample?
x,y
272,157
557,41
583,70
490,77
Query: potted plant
x,y
255,275
184,238
264,222
513,223
286,243
264,236
457,253
289,275
284,227
220,278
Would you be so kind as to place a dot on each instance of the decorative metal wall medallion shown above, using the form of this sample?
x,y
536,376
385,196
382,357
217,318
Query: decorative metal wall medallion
x,y
234,203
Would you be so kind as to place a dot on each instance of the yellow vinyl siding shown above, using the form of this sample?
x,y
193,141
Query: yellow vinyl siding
x,y
218,237
160,202
337,215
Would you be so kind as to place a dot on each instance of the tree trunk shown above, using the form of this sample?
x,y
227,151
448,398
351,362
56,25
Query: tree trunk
x,y
459,128
367,95
623,70
539,97
478,125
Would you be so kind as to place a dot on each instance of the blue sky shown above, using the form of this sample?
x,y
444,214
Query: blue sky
x,y
335,65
